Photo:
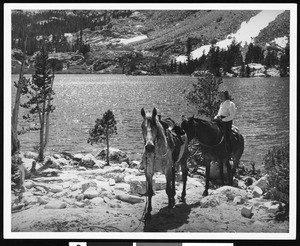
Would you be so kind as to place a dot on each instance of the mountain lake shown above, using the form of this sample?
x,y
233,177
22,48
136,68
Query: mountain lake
x,y
262,110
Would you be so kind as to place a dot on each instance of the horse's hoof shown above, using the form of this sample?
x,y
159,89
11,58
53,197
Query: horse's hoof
x,y
182,199
205,193
147,217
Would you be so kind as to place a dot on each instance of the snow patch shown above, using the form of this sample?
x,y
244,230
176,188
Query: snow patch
x,y
131,40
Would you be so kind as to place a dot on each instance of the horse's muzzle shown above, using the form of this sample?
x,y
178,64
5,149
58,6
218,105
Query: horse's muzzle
x,y
149,147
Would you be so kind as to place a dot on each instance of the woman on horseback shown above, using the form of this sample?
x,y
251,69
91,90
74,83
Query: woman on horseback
x,y
225,116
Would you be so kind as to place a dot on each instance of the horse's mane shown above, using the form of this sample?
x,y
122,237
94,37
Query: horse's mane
x,y
161,133
205,122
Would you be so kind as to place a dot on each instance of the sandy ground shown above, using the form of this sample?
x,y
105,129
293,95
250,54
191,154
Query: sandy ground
x,y
115,215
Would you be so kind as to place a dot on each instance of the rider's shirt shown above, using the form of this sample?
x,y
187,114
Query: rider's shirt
x,y
227,109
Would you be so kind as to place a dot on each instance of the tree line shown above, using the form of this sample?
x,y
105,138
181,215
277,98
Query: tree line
x,y
221,61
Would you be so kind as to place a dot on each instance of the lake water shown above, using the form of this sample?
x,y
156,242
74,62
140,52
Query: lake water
x,y
262,110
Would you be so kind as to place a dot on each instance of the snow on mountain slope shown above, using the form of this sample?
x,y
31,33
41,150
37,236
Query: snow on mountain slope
x,y
245,34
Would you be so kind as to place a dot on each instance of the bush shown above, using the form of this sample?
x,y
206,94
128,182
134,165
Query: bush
x,y
276,163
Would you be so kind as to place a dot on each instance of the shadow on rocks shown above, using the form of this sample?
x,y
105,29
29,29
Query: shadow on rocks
x,y
168,219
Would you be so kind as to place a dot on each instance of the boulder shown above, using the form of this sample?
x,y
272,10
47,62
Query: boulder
x,y
88,161
138,185
77,157
90,193
238,200
230,192
262,183
115,155
29,184
31,155
55,188
210,201
97,200
257,192
87,185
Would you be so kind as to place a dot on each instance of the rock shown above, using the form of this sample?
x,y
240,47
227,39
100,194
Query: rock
x,y
248,181
29,198
49,172
56,156
135,164
138,185
210,201
97,200
160,183
81,169
55,188
262,183
99,164
247,211
17,206
129,198
51,162
56,205
230,192
123,186
274,208
77,157
42,200
90,193
29,184
124,164
115,155
238,200
106,194
79,197
62,161
31,155
88,161
112,182
87,185
257,192
79,204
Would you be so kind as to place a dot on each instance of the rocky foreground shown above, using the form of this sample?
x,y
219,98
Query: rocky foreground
x,y
80,193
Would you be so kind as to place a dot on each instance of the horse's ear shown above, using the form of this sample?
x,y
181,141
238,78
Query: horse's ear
x,y
154,113
193,117
183,118
143,113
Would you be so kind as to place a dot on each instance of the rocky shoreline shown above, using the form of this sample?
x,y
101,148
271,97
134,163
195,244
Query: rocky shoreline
x,y
81,193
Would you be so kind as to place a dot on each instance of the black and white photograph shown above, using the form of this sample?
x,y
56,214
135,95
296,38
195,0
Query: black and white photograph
x,y
150,121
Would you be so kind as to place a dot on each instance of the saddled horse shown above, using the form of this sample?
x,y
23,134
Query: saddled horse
x,y
163,152
211,139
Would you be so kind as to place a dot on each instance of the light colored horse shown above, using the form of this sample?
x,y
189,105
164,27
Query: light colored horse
x,y
163,152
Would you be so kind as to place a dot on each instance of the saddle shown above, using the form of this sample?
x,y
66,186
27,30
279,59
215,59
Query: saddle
x,y
175,130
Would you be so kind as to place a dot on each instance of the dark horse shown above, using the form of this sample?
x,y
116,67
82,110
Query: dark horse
x,y
211,139
163,152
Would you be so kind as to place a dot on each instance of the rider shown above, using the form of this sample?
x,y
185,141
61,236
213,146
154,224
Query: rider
x,y
225,116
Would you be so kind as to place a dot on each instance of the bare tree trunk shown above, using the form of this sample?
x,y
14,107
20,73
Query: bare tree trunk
x,y
107,145
48,114
14,120
42,133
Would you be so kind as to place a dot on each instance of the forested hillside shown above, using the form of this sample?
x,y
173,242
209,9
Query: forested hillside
x,y
144,41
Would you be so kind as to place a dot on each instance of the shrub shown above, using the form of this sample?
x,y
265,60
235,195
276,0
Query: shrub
x,y
276,163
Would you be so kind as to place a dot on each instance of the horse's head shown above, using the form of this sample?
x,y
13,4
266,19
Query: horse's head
x,y
149,129
188,125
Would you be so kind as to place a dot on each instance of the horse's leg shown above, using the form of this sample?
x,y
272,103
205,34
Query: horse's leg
x,y
221,163
170,189
229,171
184,170
207,176
150,194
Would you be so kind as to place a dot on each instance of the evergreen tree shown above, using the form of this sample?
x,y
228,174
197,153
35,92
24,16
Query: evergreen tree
x,y
204,95
103,130
40,96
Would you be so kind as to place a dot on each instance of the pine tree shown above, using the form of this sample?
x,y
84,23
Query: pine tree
x,y
204,95
40,96
103,130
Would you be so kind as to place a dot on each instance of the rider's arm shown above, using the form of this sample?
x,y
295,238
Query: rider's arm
x,y
232,111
